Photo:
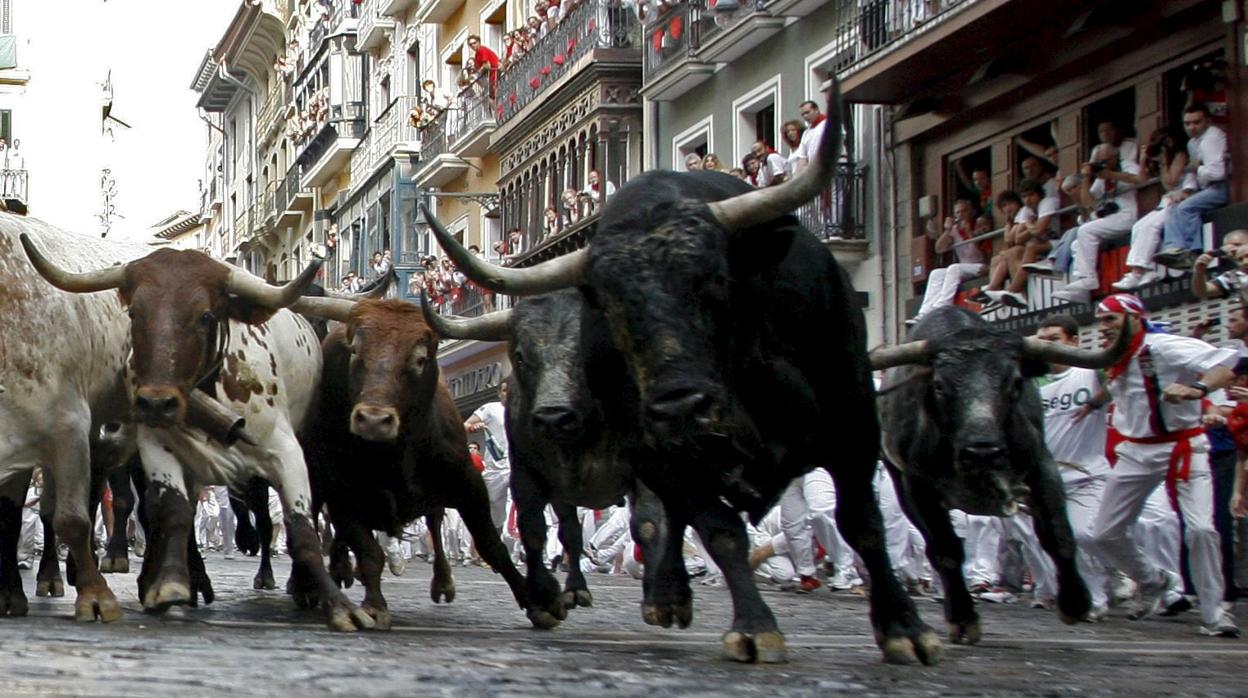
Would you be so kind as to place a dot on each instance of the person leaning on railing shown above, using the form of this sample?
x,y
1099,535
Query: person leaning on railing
x,y
1165,157
943,283
1024,242
1204,190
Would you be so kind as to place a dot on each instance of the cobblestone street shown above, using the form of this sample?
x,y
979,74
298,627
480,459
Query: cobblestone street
x,y
254,642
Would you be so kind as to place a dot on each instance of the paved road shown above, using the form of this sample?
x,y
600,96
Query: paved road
x,y
253,642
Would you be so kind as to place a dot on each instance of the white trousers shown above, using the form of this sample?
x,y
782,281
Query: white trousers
x,y
1088,241
795,522
497,485
906,547
779,567
983,537
1022,527
1083,500
1141,468
1145,236
943,283
820,493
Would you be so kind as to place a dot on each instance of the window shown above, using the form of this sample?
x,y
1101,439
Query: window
x,y
755,118
6,125
823,64
970,177
1117,109
695,139
1038,142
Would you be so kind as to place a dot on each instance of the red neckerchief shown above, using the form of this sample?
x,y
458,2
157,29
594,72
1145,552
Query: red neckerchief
x,y
1136,342
817,120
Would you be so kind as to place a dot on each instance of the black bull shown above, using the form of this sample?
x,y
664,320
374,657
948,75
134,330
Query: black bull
x,y
964,428
704,296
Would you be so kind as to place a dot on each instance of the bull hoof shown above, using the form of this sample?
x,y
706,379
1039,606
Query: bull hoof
x,y
681,614
442,593
161,596
925,648
13,603
96,603
306,601
115,565
50,587
265,583
346,617
765,648
965,633
380,616
542,620
584,599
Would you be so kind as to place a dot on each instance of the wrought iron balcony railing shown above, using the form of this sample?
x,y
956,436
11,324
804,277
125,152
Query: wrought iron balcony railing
x,y
866,29
592,25
13,184
840,211
389,131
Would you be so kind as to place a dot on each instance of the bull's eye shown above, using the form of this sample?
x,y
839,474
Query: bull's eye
x,y
207,318
517,358
130,313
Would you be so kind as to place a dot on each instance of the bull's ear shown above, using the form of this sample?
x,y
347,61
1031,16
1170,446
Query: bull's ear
x,y
1033,368
244,310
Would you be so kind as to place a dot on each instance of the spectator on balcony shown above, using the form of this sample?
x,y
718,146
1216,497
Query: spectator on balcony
x,y
1203,191
537,29
434,99
739,174
943,283
693,162
1024,242
809,144
750,166
571,206
515,244
511,52
1128,148
552,223
771,167
791,133
711,162
1165,157
331,241
979,183
595,188
1229,283
1113,212
1042,172
486,60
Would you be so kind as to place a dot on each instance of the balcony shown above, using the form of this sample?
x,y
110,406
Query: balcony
x,y
290,199
13,192
438,11
395,8
341,17
373,26
391,132
670,65
266,206
474,111
838,216
438,166
329,150
242,230
585,36
726,36
268,120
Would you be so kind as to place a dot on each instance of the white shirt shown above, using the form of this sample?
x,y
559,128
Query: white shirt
x,y
1079,443
810,141
1048,207
1024,215
1050,188
491,416
1176,360
1209,149
771,169
1125,201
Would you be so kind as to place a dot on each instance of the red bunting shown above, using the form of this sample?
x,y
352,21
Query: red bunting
x,y
571,44
591,24
676,28
657,40
535,83
545,70
559,59
511,98
500,111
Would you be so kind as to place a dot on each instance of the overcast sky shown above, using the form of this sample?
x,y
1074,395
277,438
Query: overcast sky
x,y
153,48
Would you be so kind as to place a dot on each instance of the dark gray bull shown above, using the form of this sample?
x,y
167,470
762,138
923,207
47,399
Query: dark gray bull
x,y
706,294
560,451
964,429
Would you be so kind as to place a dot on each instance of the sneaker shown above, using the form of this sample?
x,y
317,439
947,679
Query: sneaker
x,y
1013,300
229,556
981,295
808,584
1224,627
991,307
979,588
1128,282
397,564
1174,608
1047,603
998,595
1043,267
844,581
1149,277
1174,257
1096,614
1151,596
1123,588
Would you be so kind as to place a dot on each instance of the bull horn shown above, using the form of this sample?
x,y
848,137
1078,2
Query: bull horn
x,y
565,271
494,327
375,291
241,283
323,307
1066,355
74,282
908,353
761,205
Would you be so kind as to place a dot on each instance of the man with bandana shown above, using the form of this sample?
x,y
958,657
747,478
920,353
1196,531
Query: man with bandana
x,y
1157,389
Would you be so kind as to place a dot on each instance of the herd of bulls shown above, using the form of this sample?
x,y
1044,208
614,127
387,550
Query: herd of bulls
x,y
674,361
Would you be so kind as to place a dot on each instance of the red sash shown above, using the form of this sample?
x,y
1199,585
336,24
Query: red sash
x,y
1180,467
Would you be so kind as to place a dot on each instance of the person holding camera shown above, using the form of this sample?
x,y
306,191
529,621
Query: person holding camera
x,y
1113,213
943,283
1204,190
1227,283
1166,158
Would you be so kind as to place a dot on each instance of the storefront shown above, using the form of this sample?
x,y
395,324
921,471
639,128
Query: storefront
x,y
473,371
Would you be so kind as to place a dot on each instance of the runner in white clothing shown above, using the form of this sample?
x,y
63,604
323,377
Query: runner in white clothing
x,y
490,419
1157,388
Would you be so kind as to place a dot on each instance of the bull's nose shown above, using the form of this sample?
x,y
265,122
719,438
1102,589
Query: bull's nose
x,y
680,404
156,407
375,423
557,420
982,450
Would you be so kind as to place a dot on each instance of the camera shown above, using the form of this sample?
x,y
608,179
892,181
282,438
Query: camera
x,y
1097,166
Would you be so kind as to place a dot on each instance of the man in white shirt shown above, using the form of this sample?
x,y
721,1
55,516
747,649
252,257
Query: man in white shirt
x,y
1205,191
1113,214
1157,388
497,475
1075,437
809,144
772,168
